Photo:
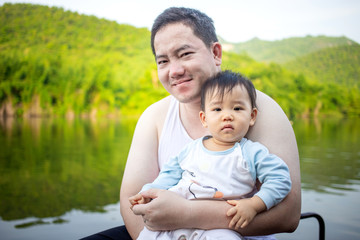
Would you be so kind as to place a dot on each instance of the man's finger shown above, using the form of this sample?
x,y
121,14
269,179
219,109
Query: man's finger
x,y
139,209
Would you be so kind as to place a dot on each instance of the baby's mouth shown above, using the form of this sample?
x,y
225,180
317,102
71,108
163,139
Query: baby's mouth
x,y
227,126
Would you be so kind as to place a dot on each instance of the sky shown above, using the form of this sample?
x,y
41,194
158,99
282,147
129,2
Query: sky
x,y
235,20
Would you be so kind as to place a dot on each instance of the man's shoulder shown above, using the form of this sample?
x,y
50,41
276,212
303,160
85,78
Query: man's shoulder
x,y
264,102
252,146
156,112
159,107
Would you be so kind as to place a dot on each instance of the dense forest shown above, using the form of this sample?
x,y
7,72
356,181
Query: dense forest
x,y
56,62
339,64
60,62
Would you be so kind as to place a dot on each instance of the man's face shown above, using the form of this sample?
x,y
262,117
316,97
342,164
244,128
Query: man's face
x,y
184,62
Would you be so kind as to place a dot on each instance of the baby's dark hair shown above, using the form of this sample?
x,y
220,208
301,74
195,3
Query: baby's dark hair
x,y
223,83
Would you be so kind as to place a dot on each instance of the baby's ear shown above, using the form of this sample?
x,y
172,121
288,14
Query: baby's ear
x,y
253,116
203,118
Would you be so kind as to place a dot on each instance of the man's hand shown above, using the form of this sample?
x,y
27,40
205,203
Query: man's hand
x,y
164,212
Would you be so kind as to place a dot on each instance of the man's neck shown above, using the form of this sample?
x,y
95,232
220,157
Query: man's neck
x,y
189,115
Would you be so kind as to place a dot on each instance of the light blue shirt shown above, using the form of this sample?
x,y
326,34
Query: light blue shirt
x,y
233,171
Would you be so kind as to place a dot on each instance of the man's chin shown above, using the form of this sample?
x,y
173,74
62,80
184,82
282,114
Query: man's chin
x,y
188,98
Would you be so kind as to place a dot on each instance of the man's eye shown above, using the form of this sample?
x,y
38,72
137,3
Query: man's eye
x,y
160,62
185,54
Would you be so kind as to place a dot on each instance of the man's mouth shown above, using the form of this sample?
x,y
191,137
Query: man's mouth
x,y
179,82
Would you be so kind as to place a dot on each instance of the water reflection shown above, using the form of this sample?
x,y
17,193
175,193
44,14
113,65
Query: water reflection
x,y
40,222
78,224
60,176
50,166
329,154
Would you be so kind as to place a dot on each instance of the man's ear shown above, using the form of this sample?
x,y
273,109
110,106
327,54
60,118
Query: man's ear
x,y
203,119
254,112
217,53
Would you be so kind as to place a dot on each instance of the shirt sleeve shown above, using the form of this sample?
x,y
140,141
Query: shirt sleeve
x,y
171,172
271,171
169,176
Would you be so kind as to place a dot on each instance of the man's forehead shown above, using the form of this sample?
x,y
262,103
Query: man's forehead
x,y
174,36
173,27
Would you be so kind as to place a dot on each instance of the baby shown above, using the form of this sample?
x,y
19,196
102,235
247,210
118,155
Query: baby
x,y
224,165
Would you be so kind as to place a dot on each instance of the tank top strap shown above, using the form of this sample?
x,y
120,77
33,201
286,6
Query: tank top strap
x,y
173,136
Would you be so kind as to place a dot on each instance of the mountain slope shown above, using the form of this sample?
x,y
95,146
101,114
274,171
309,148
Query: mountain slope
x,y
337,65
25,25
67,63
287,49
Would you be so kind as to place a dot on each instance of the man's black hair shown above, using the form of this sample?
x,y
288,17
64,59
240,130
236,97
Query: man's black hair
x,y
200,23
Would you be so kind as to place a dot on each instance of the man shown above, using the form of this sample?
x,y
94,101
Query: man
x,y
187,53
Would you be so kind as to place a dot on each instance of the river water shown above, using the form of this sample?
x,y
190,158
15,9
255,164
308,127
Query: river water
x,y
60,179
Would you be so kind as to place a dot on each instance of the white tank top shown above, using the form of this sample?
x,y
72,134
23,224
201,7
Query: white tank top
x,y
173,136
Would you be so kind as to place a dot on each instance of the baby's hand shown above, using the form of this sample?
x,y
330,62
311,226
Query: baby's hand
x,y
138,199
243,213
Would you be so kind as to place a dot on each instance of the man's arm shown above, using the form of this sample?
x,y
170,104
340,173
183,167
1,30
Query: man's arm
x,y
272,129
142,164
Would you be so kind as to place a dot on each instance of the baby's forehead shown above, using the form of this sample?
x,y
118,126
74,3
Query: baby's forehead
x,y
218,92
236,95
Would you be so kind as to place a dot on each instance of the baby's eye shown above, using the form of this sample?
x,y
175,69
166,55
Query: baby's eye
x,y
217,109
237,108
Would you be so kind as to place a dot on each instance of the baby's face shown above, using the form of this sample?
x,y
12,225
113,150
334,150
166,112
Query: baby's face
x,y
229,119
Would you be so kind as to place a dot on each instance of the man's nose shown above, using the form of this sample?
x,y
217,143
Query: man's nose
x,y
176,69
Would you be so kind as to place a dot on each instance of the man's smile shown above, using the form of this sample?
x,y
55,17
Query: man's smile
x,y
179,82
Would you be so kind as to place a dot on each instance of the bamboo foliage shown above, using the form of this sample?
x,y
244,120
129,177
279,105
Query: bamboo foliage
x,y
56,62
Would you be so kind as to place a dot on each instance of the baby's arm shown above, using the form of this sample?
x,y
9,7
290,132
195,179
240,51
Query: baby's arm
x,y
274,175
168,177
244,211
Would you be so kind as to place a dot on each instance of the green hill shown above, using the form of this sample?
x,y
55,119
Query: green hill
x,y
287,49
56,62
337,65
60,62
